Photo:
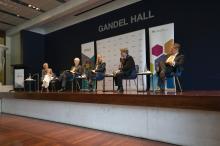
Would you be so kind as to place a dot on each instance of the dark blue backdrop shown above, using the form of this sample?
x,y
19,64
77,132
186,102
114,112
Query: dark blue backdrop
x,y
196,28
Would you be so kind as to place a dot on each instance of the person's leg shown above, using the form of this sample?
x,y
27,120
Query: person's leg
x,y
63,80
61,76
115,80
119,77
90,82
95,77
161,74
90,77
47,80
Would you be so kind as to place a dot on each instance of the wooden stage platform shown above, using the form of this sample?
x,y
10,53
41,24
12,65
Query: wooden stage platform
x,y
187,118
200,100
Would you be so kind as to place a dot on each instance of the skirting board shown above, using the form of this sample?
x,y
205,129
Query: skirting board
x,y
177,126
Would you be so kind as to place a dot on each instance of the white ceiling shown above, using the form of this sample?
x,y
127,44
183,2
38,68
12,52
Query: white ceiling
x,y
9,9
53,14
82,9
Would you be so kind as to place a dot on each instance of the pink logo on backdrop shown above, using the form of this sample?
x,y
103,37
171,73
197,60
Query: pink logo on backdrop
x,y
157,50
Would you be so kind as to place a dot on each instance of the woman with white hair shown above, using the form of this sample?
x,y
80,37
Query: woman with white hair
x,y
47,76
75,71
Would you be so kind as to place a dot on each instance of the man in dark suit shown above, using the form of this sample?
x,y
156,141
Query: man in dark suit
x,y
173,62
126,70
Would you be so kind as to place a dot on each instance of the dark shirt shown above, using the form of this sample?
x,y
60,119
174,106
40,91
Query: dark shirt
x,y
179,61
128,65
78,69
101,67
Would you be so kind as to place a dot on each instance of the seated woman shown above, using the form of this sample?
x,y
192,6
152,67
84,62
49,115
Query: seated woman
x,y
98,73
47,76
75,71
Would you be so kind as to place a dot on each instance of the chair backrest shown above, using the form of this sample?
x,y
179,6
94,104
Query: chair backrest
x,y
178,72
134,72
137,68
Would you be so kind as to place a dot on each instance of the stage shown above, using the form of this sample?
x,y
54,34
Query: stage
x,y
187,118
200,100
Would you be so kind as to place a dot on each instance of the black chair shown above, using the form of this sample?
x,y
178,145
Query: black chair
x,y
74,81
54,84
175,77
133,77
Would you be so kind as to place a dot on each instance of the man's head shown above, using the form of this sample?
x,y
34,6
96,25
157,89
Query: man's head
x,y
45,65
124,52
76,61
176,48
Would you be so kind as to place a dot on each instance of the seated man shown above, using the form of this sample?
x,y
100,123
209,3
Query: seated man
x,y
75,71
98,73
126,69
173,62
46,76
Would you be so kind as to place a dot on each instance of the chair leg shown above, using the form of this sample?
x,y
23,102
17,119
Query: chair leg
x,y
174,83
96,85
165,84
178,81
126,86
103,85
136,84
77,84
72,86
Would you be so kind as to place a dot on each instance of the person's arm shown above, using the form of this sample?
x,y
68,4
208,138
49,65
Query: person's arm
x,y
51,71
79,70
101,68
179,61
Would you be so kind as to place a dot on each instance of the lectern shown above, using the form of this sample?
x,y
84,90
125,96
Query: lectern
x,y
18,76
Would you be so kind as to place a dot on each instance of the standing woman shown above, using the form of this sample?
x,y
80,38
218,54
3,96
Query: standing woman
x,y
98,73
47,76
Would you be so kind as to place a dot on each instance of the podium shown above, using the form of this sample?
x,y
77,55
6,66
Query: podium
x,y
18,76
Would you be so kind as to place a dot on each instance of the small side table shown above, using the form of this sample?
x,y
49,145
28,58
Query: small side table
x,y
113,82
147,73
29,83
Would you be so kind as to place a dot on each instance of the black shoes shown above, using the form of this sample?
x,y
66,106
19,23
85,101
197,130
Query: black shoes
x,y
90,88
62,90
120,89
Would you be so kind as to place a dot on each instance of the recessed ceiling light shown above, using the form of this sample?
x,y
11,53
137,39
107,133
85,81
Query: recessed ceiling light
x,y
18,15
37,9
29,5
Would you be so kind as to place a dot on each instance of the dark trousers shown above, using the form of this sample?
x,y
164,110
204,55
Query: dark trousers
x,y
94,77
118,79
65,77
